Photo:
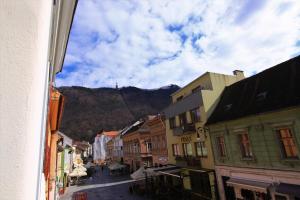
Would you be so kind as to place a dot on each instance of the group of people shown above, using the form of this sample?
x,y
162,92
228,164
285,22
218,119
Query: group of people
x,y
93,169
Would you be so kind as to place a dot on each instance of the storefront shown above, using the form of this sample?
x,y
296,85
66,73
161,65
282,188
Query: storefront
x,y
257,184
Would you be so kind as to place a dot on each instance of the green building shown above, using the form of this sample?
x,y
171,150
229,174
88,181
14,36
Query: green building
x,y
255,135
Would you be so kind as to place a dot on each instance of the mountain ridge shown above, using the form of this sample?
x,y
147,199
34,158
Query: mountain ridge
x,y
89,110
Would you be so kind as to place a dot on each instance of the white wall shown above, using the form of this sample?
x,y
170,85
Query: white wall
x,y
24,38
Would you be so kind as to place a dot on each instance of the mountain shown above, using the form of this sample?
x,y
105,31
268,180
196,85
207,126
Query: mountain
x,y
87,110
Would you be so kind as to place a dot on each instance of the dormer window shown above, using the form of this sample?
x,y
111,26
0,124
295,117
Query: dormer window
x,y
196,89
227,107
179,98
261,96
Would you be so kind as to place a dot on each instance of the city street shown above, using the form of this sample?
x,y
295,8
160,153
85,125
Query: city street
x,y
104,187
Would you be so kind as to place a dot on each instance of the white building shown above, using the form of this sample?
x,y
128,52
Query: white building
x,y
33,39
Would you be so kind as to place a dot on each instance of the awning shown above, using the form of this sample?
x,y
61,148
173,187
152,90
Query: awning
x,y
249,185
291,189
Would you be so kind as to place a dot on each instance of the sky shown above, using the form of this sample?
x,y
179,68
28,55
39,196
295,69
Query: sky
x,y
154,43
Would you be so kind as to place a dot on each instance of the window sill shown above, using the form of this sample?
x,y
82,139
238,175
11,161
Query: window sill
x,y
248,159
201,156
290,159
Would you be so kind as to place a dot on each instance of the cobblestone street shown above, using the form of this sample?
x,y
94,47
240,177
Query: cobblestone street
x,y
104,187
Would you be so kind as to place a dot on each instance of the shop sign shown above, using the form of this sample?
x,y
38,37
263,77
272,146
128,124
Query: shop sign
x,y
186,139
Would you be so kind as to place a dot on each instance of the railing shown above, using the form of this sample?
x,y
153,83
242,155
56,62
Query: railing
x,y
185,129
188,103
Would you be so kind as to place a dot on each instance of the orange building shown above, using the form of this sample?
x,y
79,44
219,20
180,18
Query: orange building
x,y
52,139
158,140
137,146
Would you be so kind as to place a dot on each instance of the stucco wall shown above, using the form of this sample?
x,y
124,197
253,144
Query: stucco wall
x,y
24,40
263,139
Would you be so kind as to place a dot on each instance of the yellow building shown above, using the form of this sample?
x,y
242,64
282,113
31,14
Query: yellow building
x,y
189,144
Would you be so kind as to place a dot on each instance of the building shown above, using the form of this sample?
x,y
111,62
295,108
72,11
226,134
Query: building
x,y
118,148
110,150
52,141
34,35
67,161
158,143
114,148
187,139
137,145
99,145
255,133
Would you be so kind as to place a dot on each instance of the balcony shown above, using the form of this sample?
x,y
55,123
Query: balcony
x,y
185,129
188,103
188,161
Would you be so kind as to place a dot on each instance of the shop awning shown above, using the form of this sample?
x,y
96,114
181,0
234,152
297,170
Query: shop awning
x,y
291,189
249,185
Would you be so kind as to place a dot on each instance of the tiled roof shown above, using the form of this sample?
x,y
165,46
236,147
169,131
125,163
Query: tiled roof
x,y
273,89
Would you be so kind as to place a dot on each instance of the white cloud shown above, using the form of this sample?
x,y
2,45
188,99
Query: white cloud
x,y
159,42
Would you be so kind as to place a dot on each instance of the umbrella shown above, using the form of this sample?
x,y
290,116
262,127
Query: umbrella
x,y
138,174
116,166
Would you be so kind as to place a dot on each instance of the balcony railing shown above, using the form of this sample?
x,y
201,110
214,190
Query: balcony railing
x,y
185,161
188,103
185,129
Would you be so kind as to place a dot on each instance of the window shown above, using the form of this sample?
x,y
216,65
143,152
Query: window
x,y
196,89
179,98
182,119
163,142
195,115
201,149
287,143
172,122
149,147
245,145
158,142
187,149
221,146
175,148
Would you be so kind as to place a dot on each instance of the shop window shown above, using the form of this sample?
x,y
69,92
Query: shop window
x,y
287,143
221,146
175,148
200,184
245,145
172,122
280,197
187,149
195,115
201,149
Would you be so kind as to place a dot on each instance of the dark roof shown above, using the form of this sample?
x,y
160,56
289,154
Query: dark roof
x,y
275,88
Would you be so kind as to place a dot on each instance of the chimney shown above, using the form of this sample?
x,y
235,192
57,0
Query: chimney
x,y
239,74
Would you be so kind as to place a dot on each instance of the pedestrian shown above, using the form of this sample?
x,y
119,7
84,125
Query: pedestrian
x,y
102,168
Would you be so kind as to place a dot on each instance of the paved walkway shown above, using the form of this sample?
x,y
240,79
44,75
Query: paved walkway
x,y
104,187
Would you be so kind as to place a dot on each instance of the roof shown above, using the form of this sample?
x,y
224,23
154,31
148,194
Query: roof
x,y
111,133
63,15
132,128
273,89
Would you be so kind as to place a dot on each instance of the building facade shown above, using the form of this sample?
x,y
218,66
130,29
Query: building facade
x,y
255,133
34,34
109,150
158,145
135,146
118,149
187,138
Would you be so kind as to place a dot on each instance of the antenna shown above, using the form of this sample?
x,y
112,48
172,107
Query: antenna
x,y
117,86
